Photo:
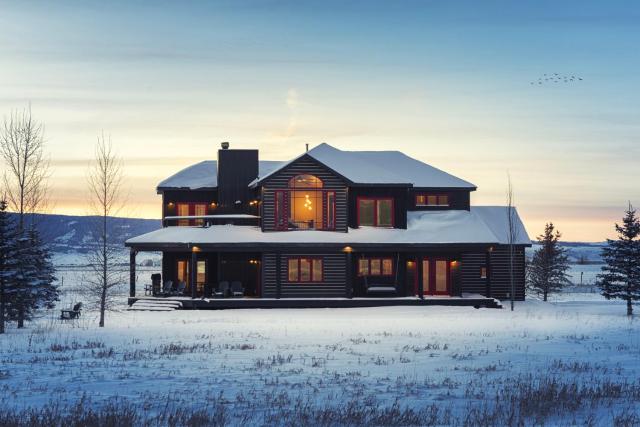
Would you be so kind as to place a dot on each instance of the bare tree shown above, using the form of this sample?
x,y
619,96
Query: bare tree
x,y
22,149
512,234
105,180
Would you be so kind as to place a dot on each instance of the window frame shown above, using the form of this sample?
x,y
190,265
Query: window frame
x,y
437,196
311,260
376,200
281,218
368,272
330,209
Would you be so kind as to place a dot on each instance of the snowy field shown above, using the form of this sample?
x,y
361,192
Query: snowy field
x,y
575,360
572,361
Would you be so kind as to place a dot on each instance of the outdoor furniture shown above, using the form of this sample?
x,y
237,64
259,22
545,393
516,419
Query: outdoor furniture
x,y
148,289
236,289
223,290
376,289
166,287
180,288
156,283
74,313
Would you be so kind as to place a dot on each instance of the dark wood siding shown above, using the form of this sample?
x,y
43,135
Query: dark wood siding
x,y
499,272
333,284
280,181
472,264
459,199
400,200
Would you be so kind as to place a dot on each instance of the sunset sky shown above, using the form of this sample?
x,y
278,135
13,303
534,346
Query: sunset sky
x,y
446,82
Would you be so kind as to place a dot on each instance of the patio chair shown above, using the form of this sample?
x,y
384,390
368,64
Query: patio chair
x,y
167,286
236,289
223,290
74,313
180,288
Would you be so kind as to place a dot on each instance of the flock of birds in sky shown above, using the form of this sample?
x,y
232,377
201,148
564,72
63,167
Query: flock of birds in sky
x,y
556,78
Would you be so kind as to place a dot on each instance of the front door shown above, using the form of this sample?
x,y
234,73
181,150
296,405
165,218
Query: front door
x,y
436,275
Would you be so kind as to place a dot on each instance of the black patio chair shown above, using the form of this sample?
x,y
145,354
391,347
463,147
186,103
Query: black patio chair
x,y
223,290
74,313
236,289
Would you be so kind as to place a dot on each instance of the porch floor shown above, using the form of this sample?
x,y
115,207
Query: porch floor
x,y
235,303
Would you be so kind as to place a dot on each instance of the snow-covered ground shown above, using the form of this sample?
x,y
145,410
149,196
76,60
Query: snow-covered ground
x,y
441,364
573,360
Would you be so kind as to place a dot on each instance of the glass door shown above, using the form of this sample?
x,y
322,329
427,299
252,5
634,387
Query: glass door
x,y
436,276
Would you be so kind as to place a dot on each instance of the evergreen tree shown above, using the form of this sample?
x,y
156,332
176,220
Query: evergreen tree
x,y
7,259
620,277
32,287
548,268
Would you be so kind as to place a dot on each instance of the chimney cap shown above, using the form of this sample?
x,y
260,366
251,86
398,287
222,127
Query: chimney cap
x,y
224,145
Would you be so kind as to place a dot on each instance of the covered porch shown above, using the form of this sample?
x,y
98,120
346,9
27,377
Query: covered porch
x,y
197,273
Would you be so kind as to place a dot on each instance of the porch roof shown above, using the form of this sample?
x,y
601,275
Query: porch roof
x,y
481,225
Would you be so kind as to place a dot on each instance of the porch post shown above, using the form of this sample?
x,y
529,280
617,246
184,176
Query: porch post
x,y
419,273
132,273
487,280
192,272
349,287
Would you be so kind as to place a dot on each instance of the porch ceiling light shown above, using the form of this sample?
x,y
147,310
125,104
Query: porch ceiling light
x,y
347,249
195,249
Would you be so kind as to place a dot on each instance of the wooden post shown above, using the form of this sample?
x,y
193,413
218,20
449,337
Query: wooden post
x,y
193,273
419,274
487,280
278,274
132,273
349,287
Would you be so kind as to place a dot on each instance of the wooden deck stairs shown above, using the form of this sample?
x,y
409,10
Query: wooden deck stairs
x,y
155,305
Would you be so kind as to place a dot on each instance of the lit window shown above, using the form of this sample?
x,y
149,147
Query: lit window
x,y
363,267
305,270
375,267
432,200
387,267
293,269
375,212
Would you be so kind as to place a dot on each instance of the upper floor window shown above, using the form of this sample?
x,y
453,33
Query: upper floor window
x,y
432,200
376,212
305,181
191,209
305,205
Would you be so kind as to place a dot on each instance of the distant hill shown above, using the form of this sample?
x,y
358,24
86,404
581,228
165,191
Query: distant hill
x,y
75,234
579,252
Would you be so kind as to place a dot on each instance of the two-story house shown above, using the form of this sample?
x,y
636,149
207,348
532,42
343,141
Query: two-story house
x,y
331,223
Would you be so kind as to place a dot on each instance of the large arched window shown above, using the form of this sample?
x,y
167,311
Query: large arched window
x,y
307,204
305,181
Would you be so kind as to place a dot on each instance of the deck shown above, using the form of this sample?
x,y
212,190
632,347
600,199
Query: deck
x,y
236,303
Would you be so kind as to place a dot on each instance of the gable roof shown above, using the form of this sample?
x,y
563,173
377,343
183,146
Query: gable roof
x,y
204,176
357,167
378,167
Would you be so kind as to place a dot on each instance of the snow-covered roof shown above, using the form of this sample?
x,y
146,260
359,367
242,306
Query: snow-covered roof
x,y
359,167
379,167
477,226
497,219
204,175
